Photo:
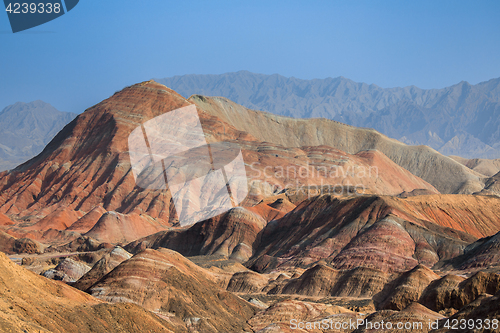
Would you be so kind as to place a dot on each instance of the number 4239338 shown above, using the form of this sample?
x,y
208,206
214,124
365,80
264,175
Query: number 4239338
x,y
32,8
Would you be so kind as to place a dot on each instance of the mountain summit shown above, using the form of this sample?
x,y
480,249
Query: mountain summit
x,y
88,163
334,214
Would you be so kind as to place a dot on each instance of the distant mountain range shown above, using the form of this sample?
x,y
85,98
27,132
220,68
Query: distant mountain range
x,y
26,128
303,243
462,119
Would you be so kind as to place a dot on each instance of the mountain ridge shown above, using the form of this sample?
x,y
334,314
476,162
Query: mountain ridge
x,y
25,129
459,120
287,252
87,164
444,173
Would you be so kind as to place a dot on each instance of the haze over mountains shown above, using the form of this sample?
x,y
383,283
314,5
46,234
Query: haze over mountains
x,y
404,249
25,129
462,119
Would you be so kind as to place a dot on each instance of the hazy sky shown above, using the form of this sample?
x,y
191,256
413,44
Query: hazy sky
x,y
101,46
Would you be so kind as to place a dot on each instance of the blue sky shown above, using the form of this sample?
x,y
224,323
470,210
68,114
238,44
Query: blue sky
x,y
100,47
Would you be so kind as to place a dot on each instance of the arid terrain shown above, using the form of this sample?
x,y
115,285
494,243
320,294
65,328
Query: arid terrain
x,y
341,225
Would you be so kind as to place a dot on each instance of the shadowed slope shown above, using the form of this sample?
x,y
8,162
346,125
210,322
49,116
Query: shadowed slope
x,y
116,228
482,254
105,265
447,175
231,234
29,302
492,186
88,221
407,288
385,233
88,165
166,282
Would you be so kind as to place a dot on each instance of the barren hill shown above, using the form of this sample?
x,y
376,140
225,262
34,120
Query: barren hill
x,y
481,165
171,280
385,233
30,302
444,173
116,228
332,227
482,254
87,165
380,232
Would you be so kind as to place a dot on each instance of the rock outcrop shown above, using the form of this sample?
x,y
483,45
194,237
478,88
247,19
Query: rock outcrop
x,y
231,234
444,173
407,288
87,165
321,280
385,233
33,303
284,316
7,243
163,281
247,282
102,267
485,306
67,270
451,292
117,228
416,317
